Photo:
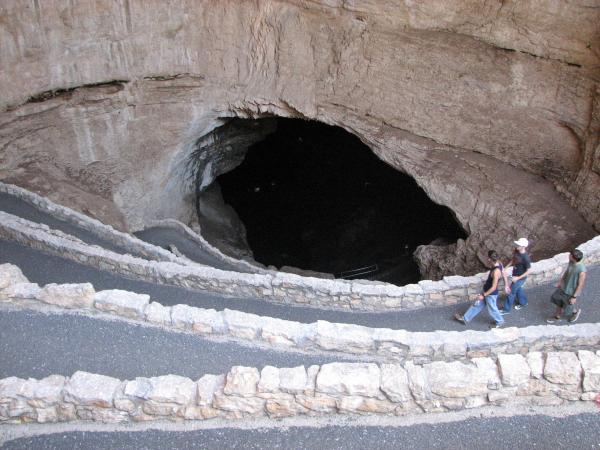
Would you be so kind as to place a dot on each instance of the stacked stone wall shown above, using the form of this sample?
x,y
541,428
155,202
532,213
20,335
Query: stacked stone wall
x,y
276,286
538,379
374,344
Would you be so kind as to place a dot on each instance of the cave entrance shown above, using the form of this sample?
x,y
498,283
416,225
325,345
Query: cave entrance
x,y
314,197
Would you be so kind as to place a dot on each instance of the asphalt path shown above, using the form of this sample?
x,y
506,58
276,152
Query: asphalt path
x,y
159,236
580,431
18,207
44,268
34,344
163,237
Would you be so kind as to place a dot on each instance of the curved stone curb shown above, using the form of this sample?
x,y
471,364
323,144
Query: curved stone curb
x,y
378,344
128,242
555,378
205,245
277,287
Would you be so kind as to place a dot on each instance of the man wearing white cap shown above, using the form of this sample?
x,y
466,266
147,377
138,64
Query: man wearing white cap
x,y
521,263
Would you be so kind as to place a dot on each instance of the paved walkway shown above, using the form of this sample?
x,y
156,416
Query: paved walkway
x,y
163,237
579,431
44,268
33,344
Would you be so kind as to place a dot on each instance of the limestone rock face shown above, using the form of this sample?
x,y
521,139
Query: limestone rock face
x,y
492,109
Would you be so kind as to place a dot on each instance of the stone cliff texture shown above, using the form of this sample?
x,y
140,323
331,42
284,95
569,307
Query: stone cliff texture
x,y
493,108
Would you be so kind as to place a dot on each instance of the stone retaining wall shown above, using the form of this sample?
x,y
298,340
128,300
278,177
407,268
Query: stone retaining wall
x,y
205,246
373,344
126,241
276,286
554,378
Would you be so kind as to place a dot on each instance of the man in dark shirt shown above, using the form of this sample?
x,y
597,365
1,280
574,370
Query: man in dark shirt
x,y
521,264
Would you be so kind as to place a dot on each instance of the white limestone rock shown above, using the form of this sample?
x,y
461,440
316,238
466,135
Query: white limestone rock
x,y
283,405
47,415
158,314
344,337
590,363
269,380
349,379
293,380
22,290
90,389
10,274
285,332
513,369
172,389
241,381
207,387
68,295
456,379
489,370
45,392
318,403
394,383
242,325
203,321
251,406
123,303
362,405
535,360
10,389
138,388
102,415
562,368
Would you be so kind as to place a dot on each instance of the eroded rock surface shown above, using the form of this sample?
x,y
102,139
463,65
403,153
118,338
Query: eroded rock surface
x,y
493,110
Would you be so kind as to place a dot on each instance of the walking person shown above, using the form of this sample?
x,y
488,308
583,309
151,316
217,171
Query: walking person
x,y
488,296
569,287
521,264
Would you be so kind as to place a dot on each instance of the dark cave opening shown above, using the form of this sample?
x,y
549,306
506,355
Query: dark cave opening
x,y
313,196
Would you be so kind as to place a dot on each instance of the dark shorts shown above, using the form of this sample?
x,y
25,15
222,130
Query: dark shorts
x,y
560,298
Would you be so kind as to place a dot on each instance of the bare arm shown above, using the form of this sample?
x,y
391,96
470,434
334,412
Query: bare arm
x,y
506,285
494,286
560,280
579,288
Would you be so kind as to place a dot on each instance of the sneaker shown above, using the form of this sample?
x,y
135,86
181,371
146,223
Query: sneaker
x,y
460,318
553,319
575,316
496,325
518,307
503,313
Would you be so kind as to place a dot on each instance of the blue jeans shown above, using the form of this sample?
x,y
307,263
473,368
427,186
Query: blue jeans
x,y
516,291
492,308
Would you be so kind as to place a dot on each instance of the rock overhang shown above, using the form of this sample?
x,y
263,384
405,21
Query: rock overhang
x,y
433,98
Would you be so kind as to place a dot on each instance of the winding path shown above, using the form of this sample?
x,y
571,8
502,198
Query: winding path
x,y
37,344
